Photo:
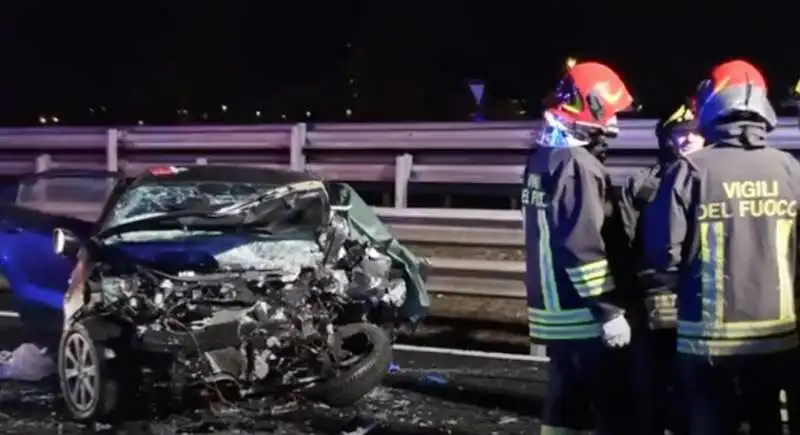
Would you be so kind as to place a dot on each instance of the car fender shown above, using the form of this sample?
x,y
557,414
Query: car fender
x,y
366,226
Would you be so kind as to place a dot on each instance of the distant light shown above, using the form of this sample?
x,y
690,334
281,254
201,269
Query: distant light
x,y
140,122
308,114
204,116
355,94
102,108
283,116
348,112
91,110
42,120
352,80
54,119
258,113
224,108
348,45
522,112
182,112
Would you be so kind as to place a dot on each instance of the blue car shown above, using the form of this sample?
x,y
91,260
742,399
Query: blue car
x,y
190,279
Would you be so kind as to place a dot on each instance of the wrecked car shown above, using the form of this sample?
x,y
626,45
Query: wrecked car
x,y
224,282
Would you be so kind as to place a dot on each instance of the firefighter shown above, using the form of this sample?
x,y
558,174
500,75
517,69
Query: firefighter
x,y
721,233
574,303
791,392
654,333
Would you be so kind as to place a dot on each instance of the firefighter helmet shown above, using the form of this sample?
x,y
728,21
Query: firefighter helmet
x,y
681,122
589,97
734,88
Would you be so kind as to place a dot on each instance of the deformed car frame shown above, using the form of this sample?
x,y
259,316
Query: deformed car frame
x,y
230,281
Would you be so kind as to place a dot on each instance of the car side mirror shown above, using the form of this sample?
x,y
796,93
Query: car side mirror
x,y
65,242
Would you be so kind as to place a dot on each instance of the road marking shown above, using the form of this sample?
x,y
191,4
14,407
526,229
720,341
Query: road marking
x,y
471,353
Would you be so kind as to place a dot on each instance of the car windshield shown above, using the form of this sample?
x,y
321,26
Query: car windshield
x,y
149,201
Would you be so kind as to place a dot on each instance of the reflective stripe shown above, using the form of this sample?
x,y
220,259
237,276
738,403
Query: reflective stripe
x,y
547,273
736,330
712,272
755,346
563,317
661,301
662,311
783,237
565,332
663,322
578,324
592,279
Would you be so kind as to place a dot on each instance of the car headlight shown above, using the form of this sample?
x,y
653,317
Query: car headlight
x,y
396,293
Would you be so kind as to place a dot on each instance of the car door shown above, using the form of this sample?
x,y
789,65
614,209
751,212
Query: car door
x,y
68,199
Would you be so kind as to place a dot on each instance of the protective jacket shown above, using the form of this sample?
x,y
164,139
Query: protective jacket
x,y
569,215
722,234
655,307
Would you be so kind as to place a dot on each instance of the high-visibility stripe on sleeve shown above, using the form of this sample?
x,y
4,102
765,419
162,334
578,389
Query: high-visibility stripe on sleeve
x,y
592,279
662,311
576,324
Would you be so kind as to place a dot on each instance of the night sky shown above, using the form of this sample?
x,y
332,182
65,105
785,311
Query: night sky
x,y
179,61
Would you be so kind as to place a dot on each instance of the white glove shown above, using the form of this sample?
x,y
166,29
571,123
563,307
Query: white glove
x,y
617,332
27,363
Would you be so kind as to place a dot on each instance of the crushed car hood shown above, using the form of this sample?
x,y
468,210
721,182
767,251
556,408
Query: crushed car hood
x,y
226,252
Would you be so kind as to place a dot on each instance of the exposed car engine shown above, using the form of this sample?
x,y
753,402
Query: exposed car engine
x,y
197,319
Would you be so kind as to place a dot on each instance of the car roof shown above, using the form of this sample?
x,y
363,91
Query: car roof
x,y
221,173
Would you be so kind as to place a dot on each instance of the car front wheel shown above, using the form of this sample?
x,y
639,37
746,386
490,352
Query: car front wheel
x,y
90,385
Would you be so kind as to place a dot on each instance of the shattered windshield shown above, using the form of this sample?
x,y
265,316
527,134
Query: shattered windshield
x,y
149,200
201,208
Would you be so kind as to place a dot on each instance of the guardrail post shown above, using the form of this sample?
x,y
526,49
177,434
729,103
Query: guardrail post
x,y
297,160
201,161
112,150
43,162
538,350
402,175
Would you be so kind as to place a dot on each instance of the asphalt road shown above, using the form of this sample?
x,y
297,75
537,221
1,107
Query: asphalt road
x,y
431,393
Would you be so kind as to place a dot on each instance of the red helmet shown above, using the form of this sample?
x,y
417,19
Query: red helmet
x,y
589,97
734,87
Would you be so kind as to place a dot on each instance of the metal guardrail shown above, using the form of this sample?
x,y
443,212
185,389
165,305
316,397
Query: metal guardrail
x,y
490,229
488,153
404,154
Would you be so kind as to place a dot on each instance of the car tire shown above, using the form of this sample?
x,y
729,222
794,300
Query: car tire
x,y
92,384
358,380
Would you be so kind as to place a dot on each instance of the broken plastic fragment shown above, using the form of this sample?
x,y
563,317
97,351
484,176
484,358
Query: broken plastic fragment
x,y
165,170
434,379
27,363
361,426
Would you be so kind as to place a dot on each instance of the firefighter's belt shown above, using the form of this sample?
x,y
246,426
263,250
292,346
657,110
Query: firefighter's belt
x,y
662,311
